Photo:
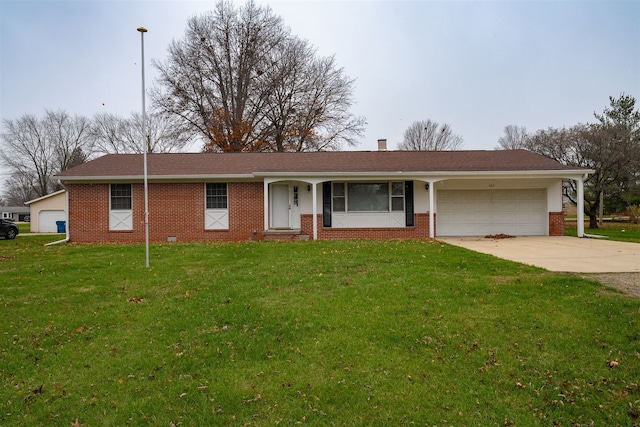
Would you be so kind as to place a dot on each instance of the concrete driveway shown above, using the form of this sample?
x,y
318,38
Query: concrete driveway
x,y
562,253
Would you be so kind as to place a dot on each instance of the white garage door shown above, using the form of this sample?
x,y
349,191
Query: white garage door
x,y
47,221
486,212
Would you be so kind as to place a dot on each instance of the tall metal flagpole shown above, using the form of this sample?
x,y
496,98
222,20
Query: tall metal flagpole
x,y
145,142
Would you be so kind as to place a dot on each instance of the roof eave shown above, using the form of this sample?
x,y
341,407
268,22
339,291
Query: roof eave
x,y
45,197
113,178
557,173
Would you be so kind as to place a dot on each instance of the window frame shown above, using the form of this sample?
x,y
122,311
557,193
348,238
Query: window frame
x,y
120,198
397,197
216,197
343,197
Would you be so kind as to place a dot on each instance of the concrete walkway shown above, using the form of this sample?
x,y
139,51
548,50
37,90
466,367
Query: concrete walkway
x,y
562,253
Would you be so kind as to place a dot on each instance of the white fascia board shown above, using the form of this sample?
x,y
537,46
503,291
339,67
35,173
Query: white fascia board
x,y
571,174
428,176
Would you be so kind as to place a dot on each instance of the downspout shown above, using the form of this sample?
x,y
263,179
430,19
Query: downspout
x,y
580,206
66,222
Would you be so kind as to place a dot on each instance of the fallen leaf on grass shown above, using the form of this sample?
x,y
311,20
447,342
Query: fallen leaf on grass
x,y
256,398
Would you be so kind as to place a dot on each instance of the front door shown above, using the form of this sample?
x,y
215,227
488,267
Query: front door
x,y
280,206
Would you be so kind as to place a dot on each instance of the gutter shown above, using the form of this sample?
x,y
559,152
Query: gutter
x,y
66,222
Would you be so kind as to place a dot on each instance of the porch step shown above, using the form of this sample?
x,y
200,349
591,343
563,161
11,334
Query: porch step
x,y
284,235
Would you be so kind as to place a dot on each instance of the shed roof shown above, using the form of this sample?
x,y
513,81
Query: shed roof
x,y
39,199
15,209
187,165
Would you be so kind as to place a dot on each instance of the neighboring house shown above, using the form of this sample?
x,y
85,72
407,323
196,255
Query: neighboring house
x,y
46,211
317,195
15,213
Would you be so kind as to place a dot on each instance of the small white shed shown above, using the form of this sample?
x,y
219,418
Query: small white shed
x,y
47,210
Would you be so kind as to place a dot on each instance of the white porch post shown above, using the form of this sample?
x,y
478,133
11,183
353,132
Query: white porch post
x,y
315,211
432,225
266,204
580,207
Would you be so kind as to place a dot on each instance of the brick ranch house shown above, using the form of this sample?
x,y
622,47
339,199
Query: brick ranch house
x,y
316,195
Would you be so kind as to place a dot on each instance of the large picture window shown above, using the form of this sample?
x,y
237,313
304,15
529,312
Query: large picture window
x,y
368,196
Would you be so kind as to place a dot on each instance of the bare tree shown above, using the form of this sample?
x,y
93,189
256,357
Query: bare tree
x,y
430,136
307,106
585,146
19,189
514,137
36,149
114,134
108,130
244,83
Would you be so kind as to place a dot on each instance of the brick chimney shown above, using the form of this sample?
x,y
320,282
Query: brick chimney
x,y
382,145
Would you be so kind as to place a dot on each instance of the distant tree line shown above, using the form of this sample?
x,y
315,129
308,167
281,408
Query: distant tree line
x,y
34,149
610,146
237,81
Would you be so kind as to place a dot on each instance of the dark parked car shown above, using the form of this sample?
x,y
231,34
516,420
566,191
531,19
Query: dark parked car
x,y
8,229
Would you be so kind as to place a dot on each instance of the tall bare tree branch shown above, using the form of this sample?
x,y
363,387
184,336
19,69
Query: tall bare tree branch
x,y
244,83
428,135
514,137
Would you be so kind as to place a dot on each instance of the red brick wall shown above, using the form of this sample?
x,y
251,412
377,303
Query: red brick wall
x,y
246,205
419,231
89,212
556,223
175,210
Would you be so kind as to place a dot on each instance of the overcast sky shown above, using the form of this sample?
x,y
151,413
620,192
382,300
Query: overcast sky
x,y
477,65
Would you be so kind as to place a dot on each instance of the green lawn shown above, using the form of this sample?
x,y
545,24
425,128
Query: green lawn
x,y
24,227
353,333
622,231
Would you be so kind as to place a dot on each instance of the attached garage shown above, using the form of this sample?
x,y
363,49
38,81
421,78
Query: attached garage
x,y
47,221
516,212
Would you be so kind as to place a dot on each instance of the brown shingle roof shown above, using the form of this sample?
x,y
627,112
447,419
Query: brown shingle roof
x,y
247,164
